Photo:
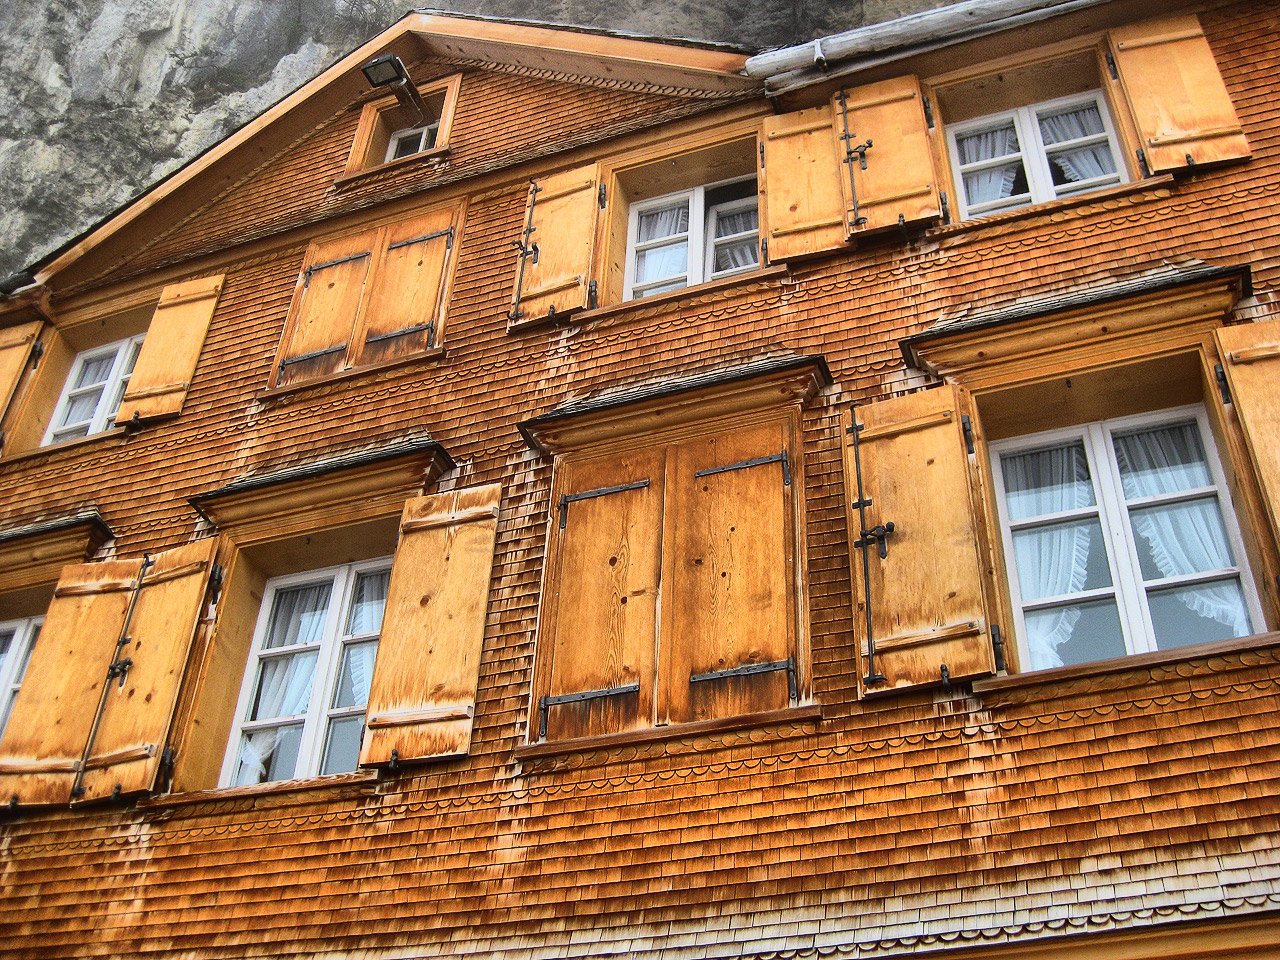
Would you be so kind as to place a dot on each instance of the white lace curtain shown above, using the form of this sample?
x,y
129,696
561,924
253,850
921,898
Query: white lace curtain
x,y
1052,560
993,183
737,254
1080,163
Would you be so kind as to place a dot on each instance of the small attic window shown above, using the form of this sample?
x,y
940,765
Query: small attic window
x,y
390,132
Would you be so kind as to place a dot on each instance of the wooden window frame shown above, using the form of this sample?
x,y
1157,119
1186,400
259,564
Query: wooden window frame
x,y
1034,154
123,353
13,667
369,154
1127,588
425,142
324,677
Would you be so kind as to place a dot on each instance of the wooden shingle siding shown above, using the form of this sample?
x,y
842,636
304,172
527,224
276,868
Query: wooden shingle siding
x,y
921,821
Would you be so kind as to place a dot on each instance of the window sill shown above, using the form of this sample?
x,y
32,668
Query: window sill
x,y
1137,662
355,782
270,393
1036,210
806,714
765,274
424,158
117,433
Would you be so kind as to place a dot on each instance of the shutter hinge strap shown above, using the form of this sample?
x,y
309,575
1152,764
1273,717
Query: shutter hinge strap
x,y
546,703
966,425
602,196
749,669
1142,163
447,233
1224,386
927,103
753,462
1111,65
569,498
997,648
330,263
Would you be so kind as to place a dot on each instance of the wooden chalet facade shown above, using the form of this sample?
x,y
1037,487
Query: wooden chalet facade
x,y
634,498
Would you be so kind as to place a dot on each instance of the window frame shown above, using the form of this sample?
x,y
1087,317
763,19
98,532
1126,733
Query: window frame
x,y
1128,588
1040,186
368,155
425,142
13,667
325,674
700,238
115,385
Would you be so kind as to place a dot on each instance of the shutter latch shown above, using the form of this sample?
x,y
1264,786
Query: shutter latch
x,y
877,536
120,669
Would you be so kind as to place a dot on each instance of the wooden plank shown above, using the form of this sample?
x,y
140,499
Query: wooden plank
x,y
16,344
728,598
599,622
1251,359
803,197
554,281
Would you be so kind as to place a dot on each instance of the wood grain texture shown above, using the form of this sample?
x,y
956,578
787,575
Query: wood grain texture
x,y
804,199
1251,358
562,210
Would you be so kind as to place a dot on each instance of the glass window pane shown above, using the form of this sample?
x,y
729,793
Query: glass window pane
x,y
1070,123
21,672
1181,538
69,434
6,641
983,145
1083,163
663,222
298,615
1164,460
94,370
354,674
742,221
268,755
736,255
666,261
996,183
664,288
81,407
1198,614
1078,633
367,602
342,746
1042,482
284,686
1061,559
407,145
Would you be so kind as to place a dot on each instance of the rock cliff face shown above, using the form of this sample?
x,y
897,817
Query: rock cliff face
x,y
103,97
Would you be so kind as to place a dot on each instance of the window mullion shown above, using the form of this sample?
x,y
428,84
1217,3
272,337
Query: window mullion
x,y
1034,155
697,235
316,727
116,374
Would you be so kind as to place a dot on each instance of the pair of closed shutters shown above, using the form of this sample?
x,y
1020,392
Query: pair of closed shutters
x,y
671,594
162,375
370,297
94,712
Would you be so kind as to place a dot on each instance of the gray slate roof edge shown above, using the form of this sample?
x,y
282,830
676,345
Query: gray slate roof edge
x,y
89,517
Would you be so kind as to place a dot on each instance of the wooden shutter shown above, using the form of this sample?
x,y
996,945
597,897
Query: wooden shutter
x,y
405,300
325,308
161,377
1180,105
599,620
15,350
925,595
899,185
729,604
127,750
53,714
423,694
554,267
1251,358
804,199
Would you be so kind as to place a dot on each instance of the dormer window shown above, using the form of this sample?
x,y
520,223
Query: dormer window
x,y
405,143
391,131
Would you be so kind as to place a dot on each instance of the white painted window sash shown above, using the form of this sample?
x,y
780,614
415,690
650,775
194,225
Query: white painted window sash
x,y
13,666
124,355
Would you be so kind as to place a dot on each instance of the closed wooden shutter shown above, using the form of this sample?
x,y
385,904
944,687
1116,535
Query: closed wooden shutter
x,y
926,598
162,375
729,605
405,301
1180,105
554,269
599,618
325,308
423,694
1251,358
804,200
15,350
899,185
53,714
127,750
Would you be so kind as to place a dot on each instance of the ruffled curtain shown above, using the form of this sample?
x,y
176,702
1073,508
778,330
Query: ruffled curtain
x,y
738,254
1182,538
1052,560
1081,163
993,183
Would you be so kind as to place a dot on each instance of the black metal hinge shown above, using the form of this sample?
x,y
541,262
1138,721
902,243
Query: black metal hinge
x,y
216,578
569,498
37,352
447,233
602,196
403,332
593,295
966,425
761,156
1142,163
120,668
928,111
1111,66
546,703
877,536
314,354
997,648
749,669
753,462
946,206
1224,386
306,282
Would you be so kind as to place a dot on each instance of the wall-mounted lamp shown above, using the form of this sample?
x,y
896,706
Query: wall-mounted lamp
x,y
388,70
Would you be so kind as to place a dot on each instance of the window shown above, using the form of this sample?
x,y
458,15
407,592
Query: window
x,y
1120,538
370,297
405,143
1033,154
390,131
17,638
303,704
692,236
94,390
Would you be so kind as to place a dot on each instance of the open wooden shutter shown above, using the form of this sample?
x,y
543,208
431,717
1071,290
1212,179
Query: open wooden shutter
x,y
127,750
44,742
16,344
162,375
899,185
405,299
599,626
1251,358
423,694
925,592
326,307
804,199
729,604
553,272
1180,105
